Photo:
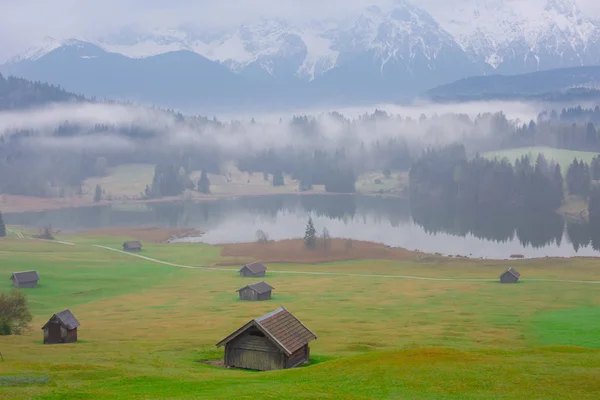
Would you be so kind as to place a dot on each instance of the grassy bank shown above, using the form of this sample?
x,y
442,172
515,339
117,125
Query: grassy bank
x,y
149,330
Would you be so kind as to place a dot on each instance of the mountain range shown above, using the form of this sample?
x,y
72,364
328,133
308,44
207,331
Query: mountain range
x,y
380,54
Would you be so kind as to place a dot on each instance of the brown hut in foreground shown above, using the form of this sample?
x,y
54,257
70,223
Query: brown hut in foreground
x,y
254,270
256,292
277,340
510,276
26,279
61,328
132,246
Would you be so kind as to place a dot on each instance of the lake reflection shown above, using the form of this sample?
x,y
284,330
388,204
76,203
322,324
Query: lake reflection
x,y
379,219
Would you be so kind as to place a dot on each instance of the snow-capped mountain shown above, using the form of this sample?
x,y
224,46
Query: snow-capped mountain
x,y
381,53
515,36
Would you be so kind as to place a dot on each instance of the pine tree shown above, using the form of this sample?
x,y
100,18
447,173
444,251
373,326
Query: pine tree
x,y
98,194
310,237
326,237
2,226
204,183
278,178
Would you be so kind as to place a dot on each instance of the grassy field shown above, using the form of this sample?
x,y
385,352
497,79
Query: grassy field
x,y
563,157
128,181
149,330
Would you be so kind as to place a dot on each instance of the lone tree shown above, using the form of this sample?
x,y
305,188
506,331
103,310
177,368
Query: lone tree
x,y
98,194
2,226
262,236
326,239
310,237
204,183
14,313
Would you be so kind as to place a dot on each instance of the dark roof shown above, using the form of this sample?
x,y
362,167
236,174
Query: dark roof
x,y
66,318
260,287
286,331
135,244
26,276
513,272
256,267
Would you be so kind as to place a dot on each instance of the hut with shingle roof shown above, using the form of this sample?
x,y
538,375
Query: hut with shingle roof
x,y
26,279
254,270
510,276
256,292
61,328
277,340
132,246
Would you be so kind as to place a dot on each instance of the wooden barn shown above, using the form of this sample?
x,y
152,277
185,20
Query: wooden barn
x,y
26,279
277,340
254,270
256,292
61,328
510,276
132,246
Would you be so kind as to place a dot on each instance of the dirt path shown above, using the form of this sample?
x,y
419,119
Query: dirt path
x,y
319,273
19,234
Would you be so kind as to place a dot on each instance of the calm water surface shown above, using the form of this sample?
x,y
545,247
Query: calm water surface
x,y
378,219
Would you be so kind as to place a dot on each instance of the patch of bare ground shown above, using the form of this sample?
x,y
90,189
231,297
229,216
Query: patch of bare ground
x,y
293,251
151,234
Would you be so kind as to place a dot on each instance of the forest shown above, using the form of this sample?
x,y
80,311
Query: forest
x,y
54,158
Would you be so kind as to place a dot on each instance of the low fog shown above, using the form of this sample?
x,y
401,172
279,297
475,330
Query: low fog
x,y
423,124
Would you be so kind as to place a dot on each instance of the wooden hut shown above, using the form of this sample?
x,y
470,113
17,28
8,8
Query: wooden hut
x,y
61,328
254,270
277,340
510,276
26,279
132,246
256,291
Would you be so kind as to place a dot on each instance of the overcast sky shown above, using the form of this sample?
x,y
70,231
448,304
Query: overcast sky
x,y
26,22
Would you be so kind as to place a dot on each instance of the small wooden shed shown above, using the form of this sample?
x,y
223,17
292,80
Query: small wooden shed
x,y
277,340
26,279
510,276
256,292
132,246
254,270
61,328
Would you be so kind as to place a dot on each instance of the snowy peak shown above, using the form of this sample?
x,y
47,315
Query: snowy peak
x,y
50,45
47,45
520,36
503,36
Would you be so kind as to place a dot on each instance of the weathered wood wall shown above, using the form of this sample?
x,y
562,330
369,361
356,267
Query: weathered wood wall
x,y
248,294
250,351
55,333
247,273
508,278
300,357
251,295
24,285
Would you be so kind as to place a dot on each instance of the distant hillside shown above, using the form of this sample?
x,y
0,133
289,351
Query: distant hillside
x,y
565,84
17,93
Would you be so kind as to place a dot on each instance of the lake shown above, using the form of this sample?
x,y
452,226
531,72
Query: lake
x,y
387,220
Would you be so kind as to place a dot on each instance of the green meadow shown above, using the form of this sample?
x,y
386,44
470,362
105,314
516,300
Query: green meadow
x,y
148,330
563,157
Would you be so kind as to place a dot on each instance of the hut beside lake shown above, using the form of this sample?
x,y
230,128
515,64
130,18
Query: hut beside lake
x,y
510,276
277,340
132,246
61,328
26,279
254,270
256,292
